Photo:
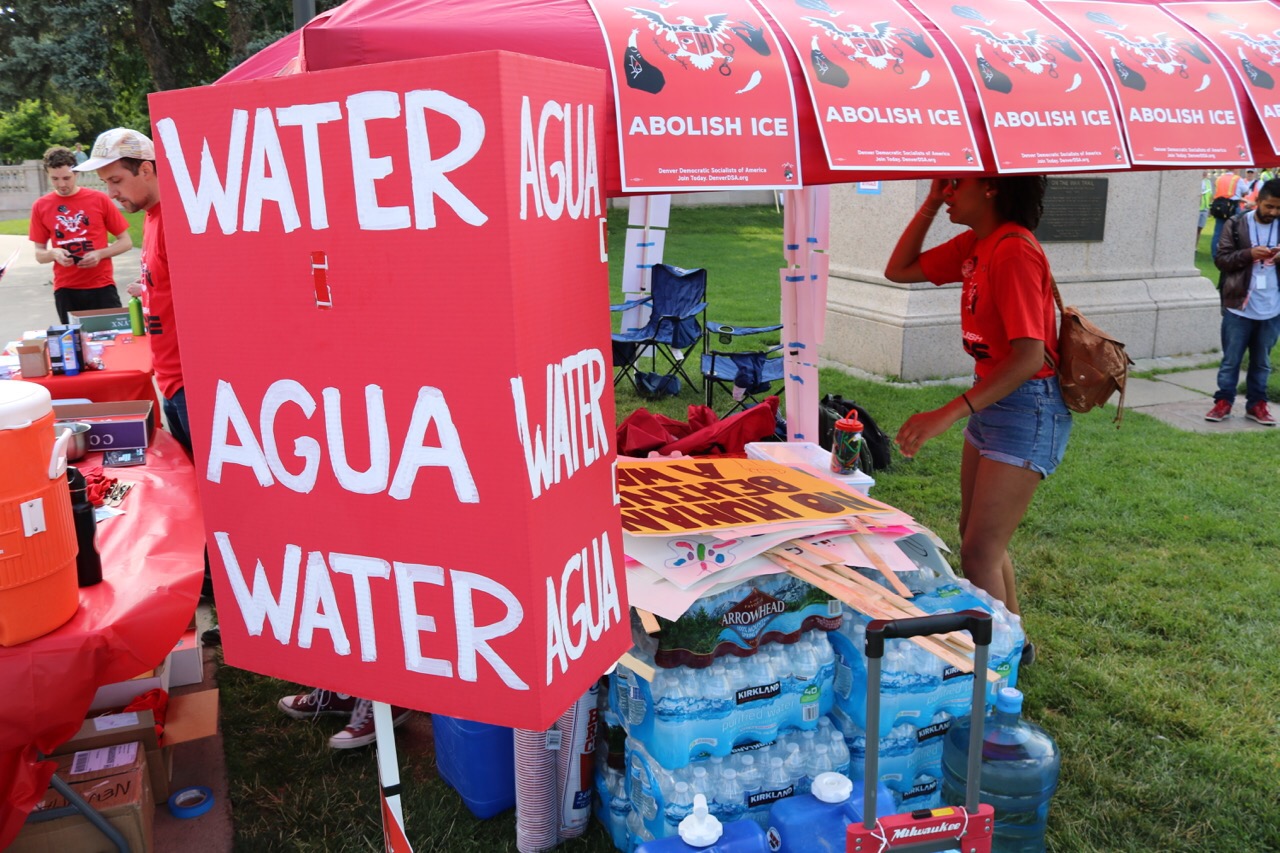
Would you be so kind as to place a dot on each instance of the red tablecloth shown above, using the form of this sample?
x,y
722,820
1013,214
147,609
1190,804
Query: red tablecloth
x,y
126,376
152,566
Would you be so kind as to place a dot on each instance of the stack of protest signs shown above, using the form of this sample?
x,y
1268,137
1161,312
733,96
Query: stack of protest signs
x,y
695,528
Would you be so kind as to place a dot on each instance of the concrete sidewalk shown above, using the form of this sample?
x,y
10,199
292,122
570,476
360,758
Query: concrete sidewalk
x,y
26,290
1181,400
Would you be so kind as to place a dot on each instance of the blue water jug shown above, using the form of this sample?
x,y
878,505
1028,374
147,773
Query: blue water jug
x,y
702,832
1020,764
819,819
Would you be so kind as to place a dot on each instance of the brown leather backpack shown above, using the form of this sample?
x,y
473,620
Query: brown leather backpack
x,y
1091,365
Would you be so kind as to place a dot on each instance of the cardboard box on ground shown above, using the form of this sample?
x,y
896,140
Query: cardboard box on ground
x,y
191,716
115,781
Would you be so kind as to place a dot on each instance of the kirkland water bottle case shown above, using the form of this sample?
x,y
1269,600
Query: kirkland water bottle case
x,y
970,827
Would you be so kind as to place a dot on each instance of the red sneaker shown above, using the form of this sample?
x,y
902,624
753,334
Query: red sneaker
x,y
360,731
1259,413
306,706
1220,412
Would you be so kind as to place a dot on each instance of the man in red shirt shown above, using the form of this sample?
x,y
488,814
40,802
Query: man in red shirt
x,y
69,227
125,160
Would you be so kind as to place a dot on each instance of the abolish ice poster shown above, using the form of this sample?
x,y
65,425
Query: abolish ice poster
x,y
703,96
884,96
1045,103
1177,102
1248,34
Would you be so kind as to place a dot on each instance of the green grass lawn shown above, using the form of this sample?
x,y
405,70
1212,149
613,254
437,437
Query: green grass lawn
x,y
1150,579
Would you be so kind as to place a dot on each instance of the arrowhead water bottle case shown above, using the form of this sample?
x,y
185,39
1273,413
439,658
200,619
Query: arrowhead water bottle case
x,y
769,609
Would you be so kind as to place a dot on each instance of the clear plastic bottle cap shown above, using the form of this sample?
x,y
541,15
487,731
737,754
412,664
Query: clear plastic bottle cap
x,y
700,828
832,787
1009,700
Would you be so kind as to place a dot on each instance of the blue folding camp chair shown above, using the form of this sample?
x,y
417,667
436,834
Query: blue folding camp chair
x,y
677,315
747,375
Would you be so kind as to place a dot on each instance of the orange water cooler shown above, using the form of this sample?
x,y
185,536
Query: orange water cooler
x,y
38,589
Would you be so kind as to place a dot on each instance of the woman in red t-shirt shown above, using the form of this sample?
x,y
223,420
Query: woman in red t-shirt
x,y
1018,424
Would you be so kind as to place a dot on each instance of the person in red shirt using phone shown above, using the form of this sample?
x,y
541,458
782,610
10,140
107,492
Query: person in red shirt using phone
x,y
70,228
1018,424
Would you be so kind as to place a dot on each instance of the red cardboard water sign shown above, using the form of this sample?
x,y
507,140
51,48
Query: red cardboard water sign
x,y
1176,99
704,97
884,95
1248,34
407,484
1045,103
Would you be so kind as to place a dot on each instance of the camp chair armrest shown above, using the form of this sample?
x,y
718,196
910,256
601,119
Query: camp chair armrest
x,y
631,303
715,327
691,311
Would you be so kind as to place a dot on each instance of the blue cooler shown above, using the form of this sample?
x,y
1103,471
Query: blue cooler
x,y
478,761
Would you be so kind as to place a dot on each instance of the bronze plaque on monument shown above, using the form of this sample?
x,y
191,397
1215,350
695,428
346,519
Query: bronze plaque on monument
x,y
1075,211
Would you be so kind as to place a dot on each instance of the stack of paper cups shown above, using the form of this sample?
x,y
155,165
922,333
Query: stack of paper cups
x,y
537,808
575,763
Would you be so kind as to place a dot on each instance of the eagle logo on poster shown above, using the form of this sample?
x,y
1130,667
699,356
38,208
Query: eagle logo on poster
x,y
876,48
703,46
1029,52
1265,47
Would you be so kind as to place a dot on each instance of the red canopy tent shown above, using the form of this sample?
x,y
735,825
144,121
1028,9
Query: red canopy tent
x,y
366,31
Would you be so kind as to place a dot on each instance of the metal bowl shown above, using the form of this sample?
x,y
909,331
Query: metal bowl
x,y
78,446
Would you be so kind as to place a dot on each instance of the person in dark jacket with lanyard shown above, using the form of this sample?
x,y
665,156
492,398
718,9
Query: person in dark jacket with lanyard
x,y
1246,255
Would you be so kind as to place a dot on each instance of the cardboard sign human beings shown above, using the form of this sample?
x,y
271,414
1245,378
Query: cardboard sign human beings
x,y
884,95
1245,32
703,95
393,306
1045,103
1176,101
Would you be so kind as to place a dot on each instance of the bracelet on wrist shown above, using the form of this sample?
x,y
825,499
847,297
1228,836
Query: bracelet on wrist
x,y
927,214
965,397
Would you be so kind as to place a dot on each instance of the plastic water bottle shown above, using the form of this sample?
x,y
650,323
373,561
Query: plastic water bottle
x,y
701,830
794,764
731,800
679,805
749,775
817,821
1020,764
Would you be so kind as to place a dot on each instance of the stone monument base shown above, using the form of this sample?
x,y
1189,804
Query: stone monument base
x,y
1139,284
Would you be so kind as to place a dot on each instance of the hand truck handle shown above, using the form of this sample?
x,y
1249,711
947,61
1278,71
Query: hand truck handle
x,y
978,624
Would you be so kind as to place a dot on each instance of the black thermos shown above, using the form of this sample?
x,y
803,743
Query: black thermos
x,y
88,563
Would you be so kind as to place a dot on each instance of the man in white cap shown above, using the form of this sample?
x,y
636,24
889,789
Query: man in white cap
x,y
125,161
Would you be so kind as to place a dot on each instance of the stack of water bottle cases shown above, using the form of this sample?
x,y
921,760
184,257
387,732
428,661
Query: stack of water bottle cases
x,y
750,714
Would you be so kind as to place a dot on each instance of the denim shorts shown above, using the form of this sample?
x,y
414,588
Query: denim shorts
x,y
1029,428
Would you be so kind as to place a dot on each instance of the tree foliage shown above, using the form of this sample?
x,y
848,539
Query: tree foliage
x,y
31,127
96,60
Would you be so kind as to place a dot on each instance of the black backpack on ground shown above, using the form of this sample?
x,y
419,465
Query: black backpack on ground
x,y
875,443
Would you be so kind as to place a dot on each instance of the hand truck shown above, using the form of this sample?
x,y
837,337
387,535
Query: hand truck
x,y
926,830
